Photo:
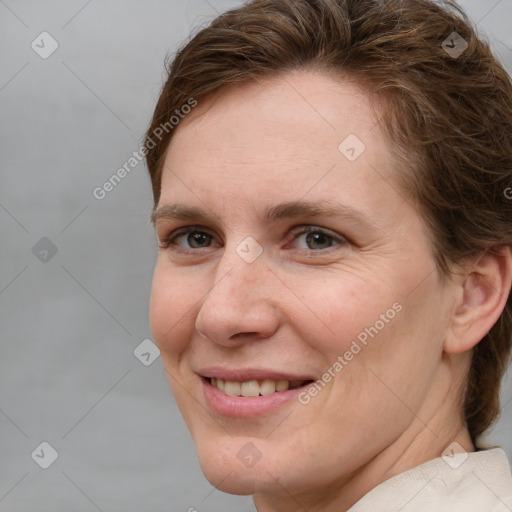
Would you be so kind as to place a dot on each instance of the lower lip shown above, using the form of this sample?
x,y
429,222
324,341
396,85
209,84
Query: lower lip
x,y
246,406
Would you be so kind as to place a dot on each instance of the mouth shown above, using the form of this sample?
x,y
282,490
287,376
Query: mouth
x,y
250,392
255,387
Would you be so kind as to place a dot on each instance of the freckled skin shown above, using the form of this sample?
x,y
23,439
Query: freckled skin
x,y
261,144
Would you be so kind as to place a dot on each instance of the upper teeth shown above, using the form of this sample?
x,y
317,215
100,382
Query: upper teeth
x,y
254,387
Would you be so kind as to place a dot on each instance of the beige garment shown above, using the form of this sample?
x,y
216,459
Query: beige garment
x,y
465,482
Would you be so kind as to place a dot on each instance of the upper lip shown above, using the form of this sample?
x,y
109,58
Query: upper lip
x,y
246,374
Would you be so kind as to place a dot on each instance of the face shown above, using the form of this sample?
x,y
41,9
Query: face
x,y
293,270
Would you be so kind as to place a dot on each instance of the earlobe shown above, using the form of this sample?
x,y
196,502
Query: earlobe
x,y
482,298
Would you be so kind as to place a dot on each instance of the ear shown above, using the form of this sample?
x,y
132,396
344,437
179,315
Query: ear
x,y
482,294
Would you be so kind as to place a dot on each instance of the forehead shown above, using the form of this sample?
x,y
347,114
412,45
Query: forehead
x,y
302,105
280,138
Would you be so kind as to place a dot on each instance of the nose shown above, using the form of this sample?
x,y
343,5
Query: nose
x,y
241,305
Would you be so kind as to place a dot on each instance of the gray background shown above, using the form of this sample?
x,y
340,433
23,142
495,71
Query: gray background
x,y
69,325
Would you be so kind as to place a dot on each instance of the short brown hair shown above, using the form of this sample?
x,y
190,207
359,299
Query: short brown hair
x,y
448,118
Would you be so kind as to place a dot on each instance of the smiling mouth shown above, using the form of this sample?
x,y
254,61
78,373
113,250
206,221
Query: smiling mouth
x,y
253,388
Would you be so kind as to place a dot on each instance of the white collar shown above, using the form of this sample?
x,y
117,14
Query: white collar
x,y
467,482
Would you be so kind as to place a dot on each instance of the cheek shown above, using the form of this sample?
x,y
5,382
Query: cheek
x,y
171,311
389,340
343,309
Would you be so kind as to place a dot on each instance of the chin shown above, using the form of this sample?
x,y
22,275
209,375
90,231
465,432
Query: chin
x,y
235,466
231,481
228,476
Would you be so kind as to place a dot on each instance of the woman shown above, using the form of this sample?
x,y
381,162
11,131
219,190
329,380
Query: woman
x,y
332,293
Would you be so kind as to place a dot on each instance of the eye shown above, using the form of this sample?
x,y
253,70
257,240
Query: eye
x,y
307,239
311,238
188,238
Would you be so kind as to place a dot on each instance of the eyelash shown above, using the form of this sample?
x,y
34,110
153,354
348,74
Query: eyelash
x,y
300,230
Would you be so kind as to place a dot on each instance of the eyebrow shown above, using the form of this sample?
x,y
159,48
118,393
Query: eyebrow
x,y
288,210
